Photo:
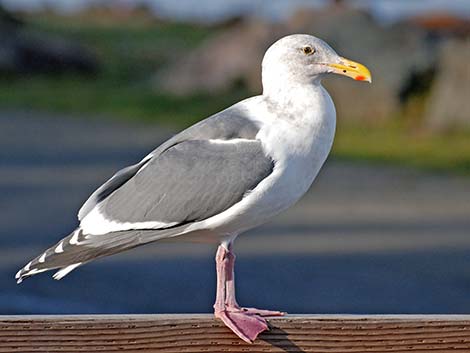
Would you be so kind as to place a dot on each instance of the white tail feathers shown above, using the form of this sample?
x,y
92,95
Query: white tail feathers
x,y
65,271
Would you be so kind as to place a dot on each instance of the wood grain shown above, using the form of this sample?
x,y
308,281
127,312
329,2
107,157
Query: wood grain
x,y
202,333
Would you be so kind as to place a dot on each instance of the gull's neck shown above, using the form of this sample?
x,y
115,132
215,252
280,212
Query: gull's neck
x,y
283,89
305,116
304,100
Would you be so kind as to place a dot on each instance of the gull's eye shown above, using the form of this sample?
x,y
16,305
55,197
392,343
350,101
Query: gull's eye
x,y
308,50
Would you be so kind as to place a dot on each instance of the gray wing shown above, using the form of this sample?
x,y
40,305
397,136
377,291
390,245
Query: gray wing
x,y
189,182
228,124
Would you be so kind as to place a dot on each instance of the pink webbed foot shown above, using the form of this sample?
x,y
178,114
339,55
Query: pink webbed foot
x,y
244,325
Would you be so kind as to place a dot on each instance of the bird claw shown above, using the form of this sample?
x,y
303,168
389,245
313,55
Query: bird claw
x,y
255,311
262,312
245,325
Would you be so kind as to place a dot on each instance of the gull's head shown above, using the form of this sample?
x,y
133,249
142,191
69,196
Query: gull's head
x,y
305,59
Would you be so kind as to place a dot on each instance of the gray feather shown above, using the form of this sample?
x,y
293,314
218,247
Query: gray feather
x,y
116,181
228,124
81,251
189,182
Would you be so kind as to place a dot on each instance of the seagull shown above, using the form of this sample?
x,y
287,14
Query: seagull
x,y
229,173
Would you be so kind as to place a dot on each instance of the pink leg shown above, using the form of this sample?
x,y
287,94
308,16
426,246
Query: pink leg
x,y
245,323
230,299
219,265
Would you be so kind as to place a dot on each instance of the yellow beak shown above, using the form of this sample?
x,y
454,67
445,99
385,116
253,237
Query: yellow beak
x,y
352,69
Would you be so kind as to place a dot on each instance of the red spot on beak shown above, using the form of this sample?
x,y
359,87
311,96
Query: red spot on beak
x,y
360,78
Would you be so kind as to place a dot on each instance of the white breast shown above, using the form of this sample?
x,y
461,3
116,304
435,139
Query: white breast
x,y
299,142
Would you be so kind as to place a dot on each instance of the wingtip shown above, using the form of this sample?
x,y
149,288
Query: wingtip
x,y
19,278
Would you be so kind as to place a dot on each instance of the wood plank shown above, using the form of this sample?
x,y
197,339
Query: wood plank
x,y
202,333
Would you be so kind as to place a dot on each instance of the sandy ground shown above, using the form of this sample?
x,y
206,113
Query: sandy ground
x,y
366,238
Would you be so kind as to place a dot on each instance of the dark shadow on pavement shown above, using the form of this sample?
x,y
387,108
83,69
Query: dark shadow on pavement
x,y
279,338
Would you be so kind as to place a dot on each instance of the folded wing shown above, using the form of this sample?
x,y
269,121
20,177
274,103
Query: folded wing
x,y
189,182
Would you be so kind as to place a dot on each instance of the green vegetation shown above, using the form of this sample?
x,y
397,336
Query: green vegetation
x,y
131,52
393,143
110,99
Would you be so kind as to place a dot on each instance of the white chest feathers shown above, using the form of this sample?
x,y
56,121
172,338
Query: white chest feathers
x,y
301,138
299,142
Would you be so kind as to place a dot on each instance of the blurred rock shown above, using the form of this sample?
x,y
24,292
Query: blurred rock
x,y
27,51
7,19
393,54
233,55
448,106
442,24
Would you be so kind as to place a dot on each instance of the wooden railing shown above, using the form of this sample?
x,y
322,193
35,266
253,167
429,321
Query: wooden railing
x,y
202,333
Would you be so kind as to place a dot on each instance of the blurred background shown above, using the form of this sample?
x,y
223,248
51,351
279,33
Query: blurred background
x,y
88,87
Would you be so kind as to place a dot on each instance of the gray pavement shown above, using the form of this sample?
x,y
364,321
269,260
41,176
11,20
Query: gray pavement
x,y
366,238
